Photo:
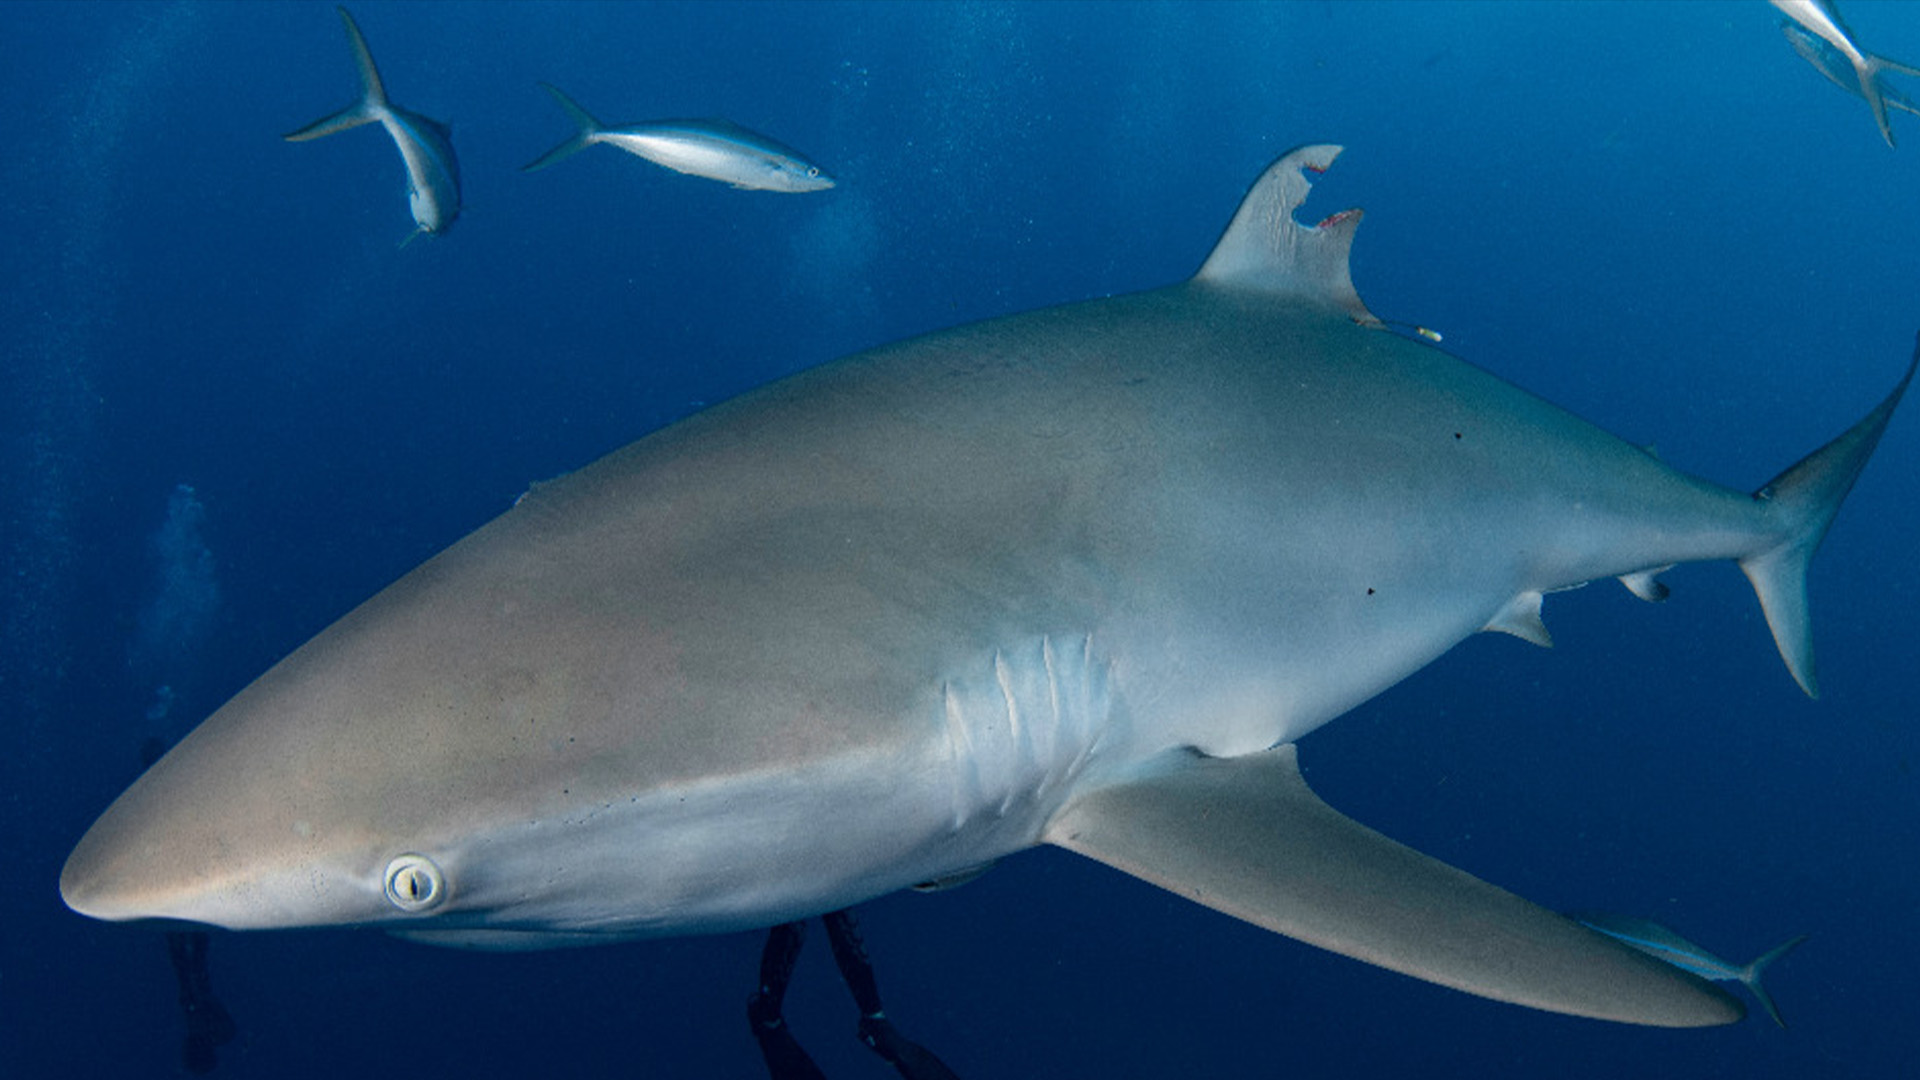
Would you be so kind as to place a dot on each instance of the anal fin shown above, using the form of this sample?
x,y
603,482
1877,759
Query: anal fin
x,y
1646,584
1247,837
1521,618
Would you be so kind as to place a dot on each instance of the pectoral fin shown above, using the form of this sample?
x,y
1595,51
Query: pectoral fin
x,y
1247,837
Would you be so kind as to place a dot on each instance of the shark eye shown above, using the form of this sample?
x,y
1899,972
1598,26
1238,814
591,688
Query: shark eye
x,y
414,883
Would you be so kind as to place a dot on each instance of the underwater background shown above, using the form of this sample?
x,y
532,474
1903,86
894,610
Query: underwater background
x,y
232,406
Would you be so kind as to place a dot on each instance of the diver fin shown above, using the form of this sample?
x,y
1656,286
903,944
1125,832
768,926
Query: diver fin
x,y
1750,976
1247,837
1805,498
586,127
1266,250
1521,618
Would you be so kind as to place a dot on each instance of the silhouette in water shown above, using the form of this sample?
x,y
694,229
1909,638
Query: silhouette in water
x,y
209,1025
786,1059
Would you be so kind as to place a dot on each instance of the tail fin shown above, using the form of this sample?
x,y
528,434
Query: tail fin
x,y
1895,65
1875,93
373,93
1840,69
584,123
1805,499
1750,976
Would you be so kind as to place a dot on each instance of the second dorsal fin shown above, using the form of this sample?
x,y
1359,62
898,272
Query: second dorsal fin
x,y
1264,249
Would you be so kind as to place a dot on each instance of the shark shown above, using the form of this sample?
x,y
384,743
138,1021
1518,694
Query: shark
x,y
425,144
1082,576
1850,67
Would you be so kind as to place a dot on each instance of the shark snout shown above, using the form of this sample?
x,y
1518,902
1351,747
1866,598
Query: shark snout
x,y
111,875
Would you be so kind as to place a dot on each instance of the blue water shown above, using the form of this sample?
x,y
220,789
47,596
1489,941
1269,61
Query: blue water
x,y
231,407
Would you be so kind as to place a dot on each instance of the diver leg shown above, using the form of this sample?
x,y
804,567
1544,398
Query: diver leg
x,y
910,1059
784,1056
208,1023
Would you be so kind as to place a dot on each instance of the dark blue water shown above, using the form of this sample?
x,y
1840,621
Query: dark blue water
x,y
1657,215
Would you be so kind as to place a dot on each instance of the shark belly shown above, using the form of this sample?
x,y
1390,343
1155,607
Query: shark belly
x,y
981,765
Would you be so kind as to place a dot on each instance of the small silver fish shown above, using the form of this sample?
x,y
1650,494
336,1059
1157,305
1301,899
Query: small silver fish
x,y
426,145
1819,19
714,149
1661,943
1832,63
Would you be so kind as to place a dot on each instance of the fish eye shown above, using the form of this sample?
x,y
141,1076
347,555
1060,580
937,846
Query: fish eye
x,y
813,171
414,883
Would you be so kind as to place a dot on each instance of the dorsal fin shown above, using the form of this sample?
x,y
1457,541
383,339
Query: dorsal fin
x,y
1265,249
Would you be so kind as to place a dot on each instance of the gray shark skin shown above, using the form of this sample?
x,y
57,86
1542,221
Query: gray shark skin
x,y
1077,576
425,144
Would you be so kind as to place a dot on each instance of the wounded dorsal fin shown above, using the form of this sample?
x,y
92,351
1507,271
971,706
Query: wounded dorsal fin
x,y
1266,250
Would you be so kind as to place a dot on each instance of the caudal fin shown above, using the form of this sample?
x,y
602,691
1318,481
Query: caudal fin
x,y
586,127
1750,976
1805,499
373,93
1876,94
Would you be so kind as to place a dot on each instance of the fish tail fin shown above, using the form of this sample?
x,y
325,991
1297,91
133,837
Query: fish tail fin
x,y
373,93
586,127
1803,501
1876,96
1750,976
1895,65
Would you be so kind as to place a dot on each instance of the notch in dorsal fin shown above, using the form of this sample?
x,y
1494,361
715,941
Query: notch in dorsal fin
x,y
1266,250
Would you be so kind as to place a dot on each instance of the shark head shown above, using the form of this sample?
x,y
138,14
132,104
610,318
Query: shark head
x,y
533,739
271,815
410,767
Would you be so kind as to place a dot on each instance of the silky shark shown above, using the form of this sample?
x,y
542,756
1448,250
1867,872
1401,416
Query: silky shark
x,y
1863,68
425,144
713,149
1080,576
